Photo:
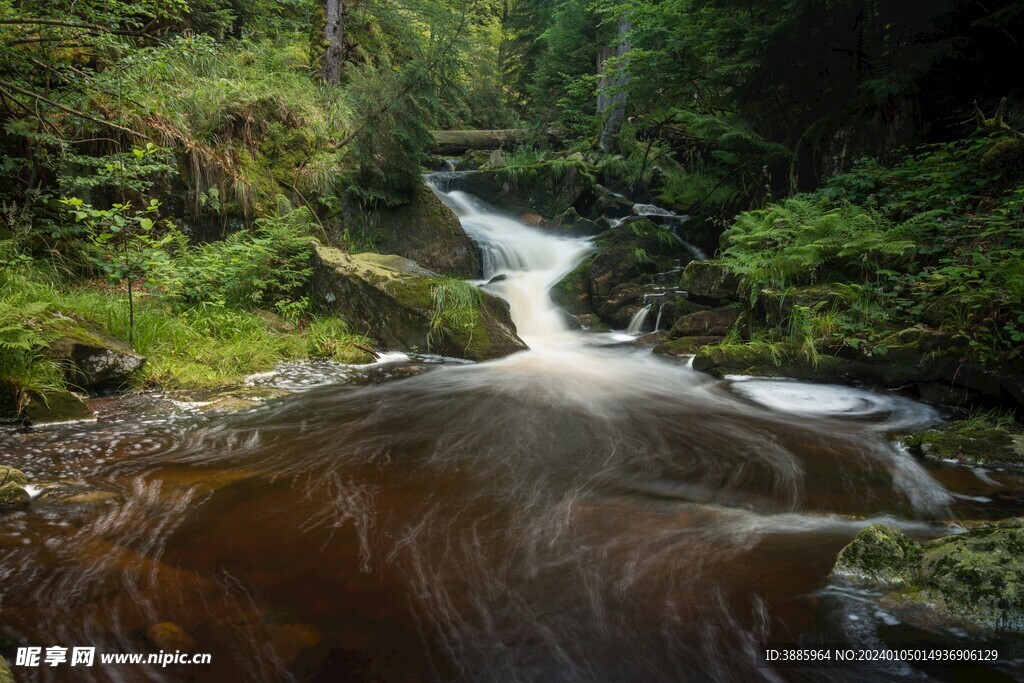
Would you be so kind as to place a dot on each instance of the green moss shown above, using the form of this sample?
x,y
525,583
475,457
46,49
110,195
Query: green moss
x,y
968,442
54,407
9,475
880,555
13,496
685,346
573,291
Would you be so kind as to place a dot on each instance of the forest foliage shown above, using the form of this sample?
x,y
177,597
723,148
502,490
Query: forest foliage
x,y
185,152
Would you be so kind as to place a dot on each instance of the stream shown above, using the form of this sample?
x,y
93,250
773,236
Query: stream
x,y
582,511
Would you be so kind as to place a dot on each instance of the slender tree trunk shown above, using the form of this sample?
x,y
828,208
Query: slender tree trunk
x,y
616,106
335,34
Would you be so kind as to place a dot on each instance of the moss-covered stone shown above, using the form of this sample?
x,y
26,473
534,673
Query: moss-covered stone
x,y
715,322
13,496
573,291
547,188
1005,158
775,306
5,672
970,443
881,555
710,280
975,578
423,230
685,346
390,298
54,407
94,361
10,475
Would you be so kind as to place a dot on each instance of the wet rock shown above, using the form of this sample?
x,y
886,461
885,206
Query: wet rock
x,y
621,304
710,280
391,299
971,444
13,496
572,292
170,637
424,230
714,322
603,203
547,188
976,578
570,222
882,556
55,407
94,360
10,475
63,492
685,346
531,219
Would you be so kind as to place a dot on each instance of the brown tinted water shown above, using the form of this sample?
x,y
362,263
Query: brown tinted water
x,y
578,512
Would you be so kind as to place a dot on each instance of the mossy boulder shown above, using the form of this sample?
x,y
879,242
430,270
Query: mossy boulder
x,y
390,298
715,322
710,280
601,202
547,188
424,230
1005,158
975,578
570,222
94,361
775,306
685,346
572,292
5,672
10,475
55,407
971,444
12,488
881,555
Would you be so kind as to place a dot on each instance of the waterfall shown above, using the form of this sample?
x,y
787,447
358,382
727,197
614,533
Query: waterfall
x,y
636,324
531,261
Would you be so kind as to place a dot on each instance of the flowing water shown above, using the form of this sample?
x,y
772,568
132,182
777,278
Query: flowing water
x,y
583,511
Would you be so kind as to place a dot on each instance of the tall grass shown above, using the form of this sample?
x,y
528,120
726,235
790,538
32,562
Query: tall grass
x,y
456,307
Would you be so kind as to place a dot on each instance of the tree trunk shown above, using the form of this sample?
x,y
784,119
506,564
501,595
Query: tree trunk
x,y
616,105
335,34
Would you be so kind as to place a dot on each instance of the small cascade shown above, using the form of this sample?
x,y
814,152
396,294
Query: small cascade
x,y
636,325
530,260
672,221
657,321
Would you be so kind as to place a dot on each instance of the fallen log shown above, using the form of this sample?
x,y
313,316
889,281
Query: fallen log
x,y
455,142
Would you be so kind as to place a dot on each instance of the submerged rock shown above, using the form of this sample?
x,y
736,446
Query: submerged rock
x,y
391,299
976,578
170,637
